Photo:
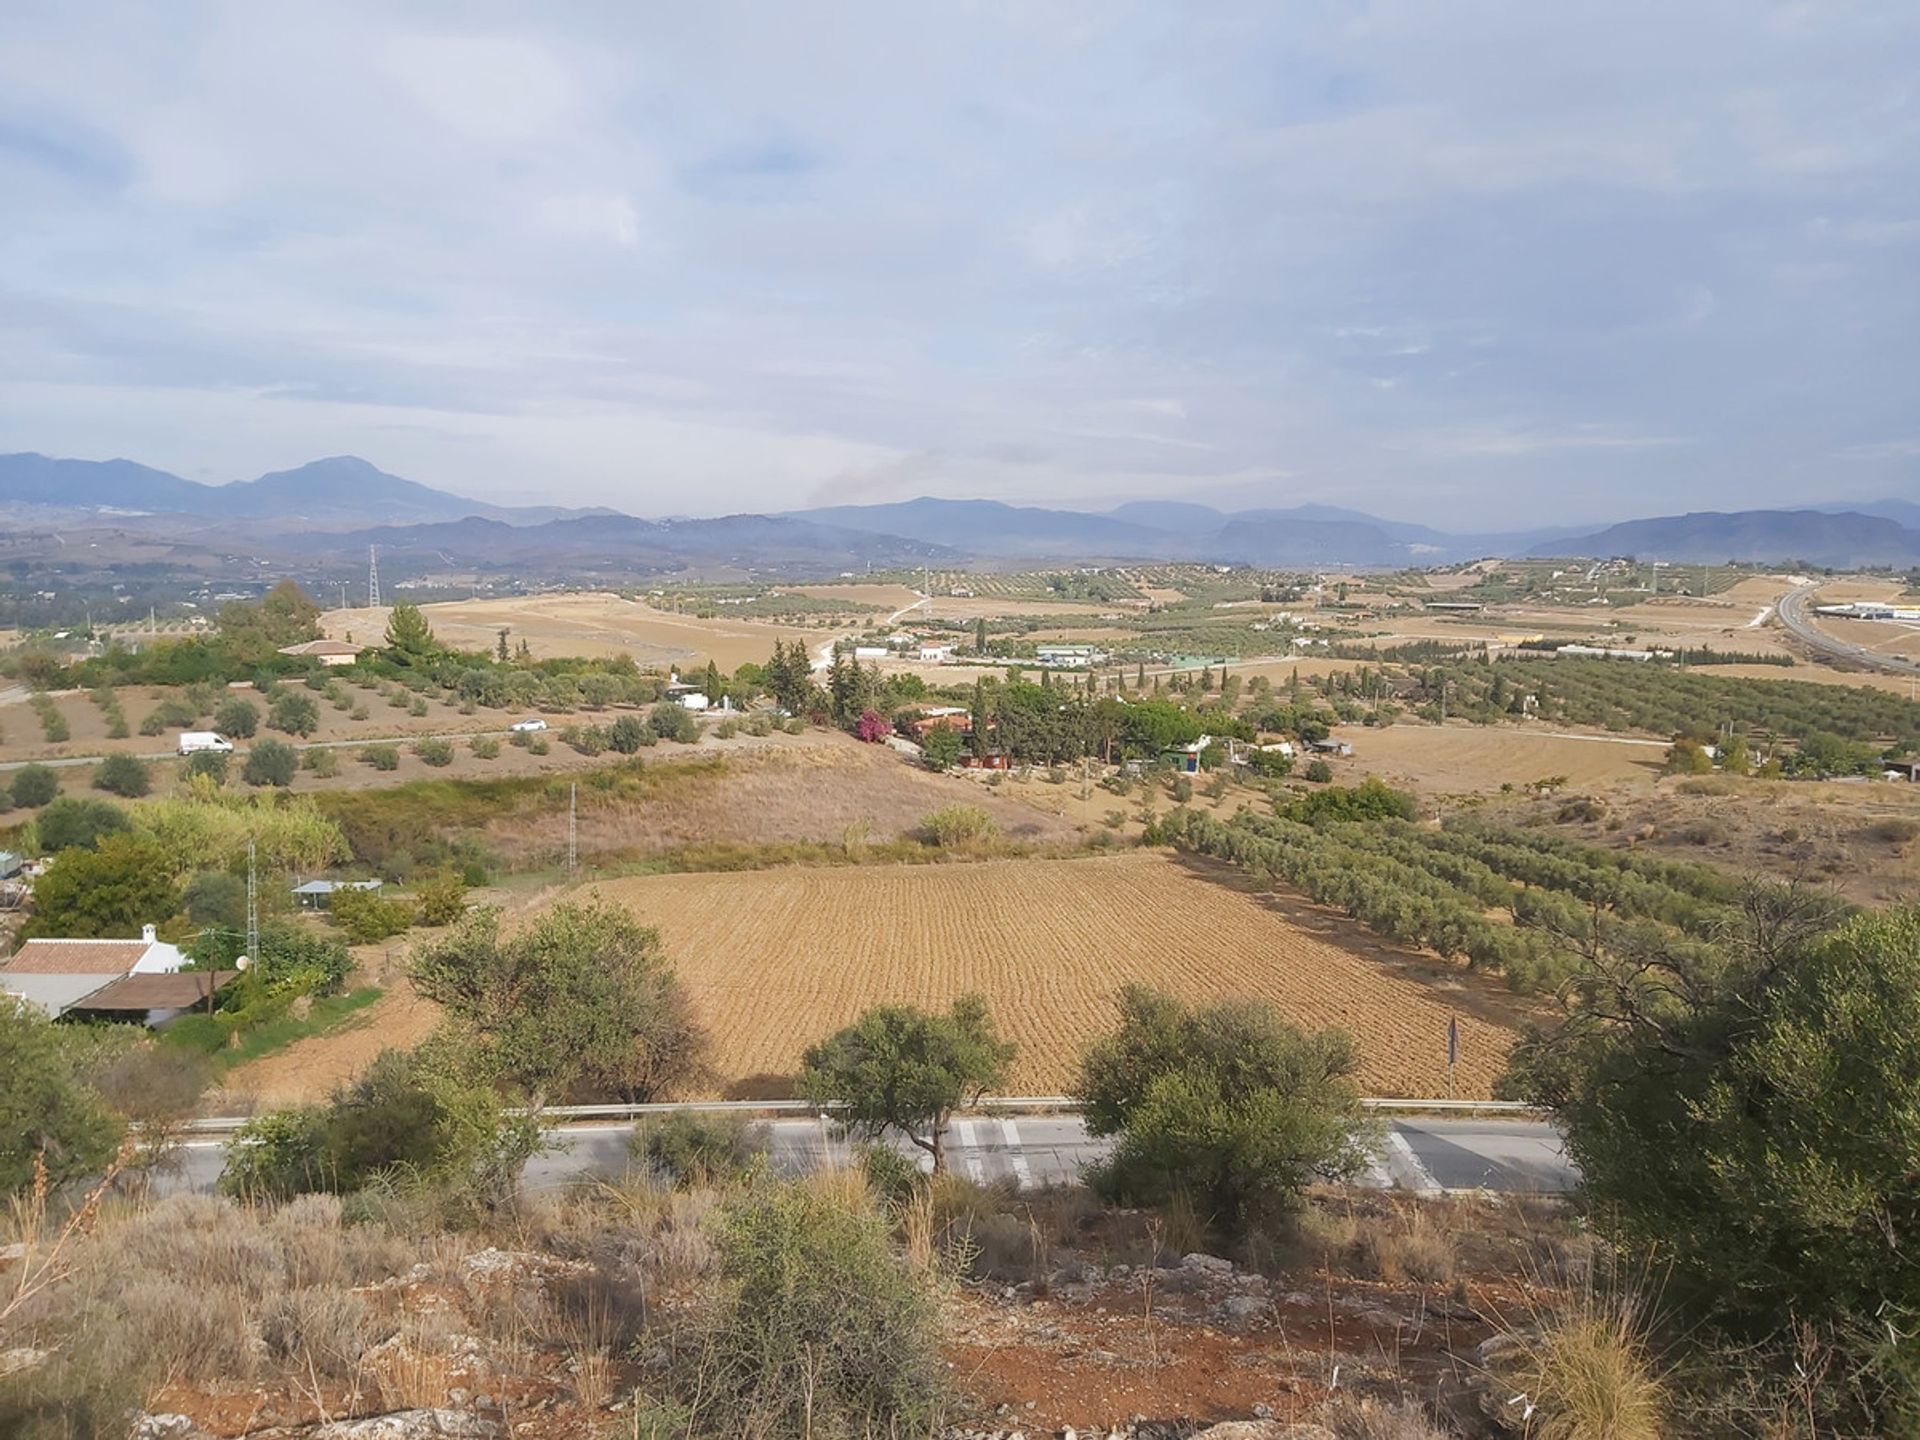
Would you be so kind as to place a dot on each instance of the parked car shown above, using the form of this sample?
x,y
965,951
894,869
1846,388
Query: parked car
x,y
530,724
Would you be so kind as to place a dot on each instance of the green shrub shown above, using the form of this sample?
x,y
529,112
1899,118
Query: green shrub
x,y
320,761
294,713
124,775
1226,1105
954,826
628,734
381,757
46,1109
211,763
538,745
441,898
397,1124
368,916
672,721
53,725
820,1328
418,709
1746,1114
1319,772
237,718
434,752
271,762
35,785
169,714
485,747
75,822
581,1003
692,1148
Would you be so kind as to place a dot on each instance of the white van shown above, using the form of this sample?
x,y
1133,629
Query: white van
x,y
195,742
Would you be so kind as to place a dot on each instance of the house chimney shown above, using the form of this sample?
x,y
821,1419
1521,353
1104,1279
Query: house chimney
x,y
147,934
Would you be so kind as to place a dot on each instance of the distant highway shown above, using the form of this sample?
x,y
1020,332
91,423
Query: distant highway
x,y
1795,614
1427,1155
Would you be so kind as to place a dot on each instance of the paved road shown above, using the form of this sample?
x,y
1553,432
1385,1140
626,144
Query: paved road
x,y
1428,1156
1796,615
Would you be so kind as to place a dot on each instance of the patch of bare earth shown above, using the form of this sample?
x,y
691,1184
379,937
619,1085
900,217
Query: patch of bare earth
x,y
313,1068
826,791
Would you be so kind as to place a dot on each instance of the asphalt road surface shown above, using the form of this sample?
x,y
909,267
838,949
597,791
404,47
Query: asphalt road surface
x,y
1426,1156
1795,613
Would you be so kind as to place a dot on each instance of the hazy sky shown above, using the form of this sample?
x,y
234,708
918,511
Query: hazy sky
x,y
1468,263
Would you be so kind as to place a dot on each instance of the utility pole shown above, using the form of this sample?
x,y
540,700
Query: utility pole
x,y
373,579
573,828
253,906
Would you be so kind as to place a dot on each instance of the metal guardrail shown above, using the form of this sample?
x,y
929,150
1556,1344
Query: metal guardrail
x,y
1015,1104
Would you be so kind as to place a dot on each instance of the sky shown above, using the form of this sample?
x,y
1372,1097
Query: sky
x,y
1476,265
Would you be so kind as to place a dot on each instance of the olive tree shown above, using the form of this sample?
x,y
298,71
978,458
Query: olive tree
x,y
581,1004
1748,1114
1226,1104
902,1068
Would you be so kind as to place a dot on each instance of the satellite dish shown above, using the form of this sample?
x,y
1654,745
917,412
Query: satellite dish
x,y
243,963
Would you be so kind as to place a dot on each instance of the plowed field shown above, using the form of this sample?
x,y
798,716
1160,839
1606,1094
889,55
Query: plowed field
x,y
778,958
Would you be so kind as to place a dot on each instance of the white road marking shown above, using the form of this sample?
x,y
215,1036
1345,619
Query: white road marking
x,y
1022,1172
975,1161
1411,1174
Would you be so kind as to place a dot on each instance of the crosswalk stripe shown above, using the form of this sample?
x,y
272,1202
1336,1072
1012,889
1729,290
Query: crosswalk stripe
x,y
1022,1172
976,1162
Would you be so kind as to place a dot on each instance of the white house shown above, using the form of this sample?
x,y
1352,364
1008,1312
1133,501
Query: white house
x,y
1068,657
869,652
327,652
938,653
143,976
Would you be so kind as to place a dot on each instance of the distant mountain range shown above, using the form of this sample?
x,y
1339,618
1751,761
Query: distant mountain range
x,y
331,510
337,492
1842,539
1302,535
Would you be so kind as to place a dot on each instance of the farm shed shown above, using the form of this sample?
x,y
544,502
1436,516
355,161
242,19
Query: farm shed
x,y
318,894
1186,758
1330,746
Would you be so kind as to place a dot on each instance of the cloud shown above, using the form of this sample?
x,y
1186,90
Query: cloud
x,y
1461,263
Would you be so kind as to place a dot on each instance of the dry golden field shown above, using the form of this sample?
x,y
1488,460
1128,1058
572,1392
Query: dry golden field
x,y
591,623
776,959
1461,759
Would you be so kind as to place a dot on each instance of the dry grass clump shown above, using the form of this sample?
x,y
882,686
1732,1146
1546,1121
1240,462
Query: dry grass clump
x,y
1586,1373
1412,1243
196,1289
412,1371
1350,1418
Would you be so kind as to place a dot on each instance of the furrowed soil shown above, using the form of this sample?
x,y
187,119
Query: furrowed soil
x,y
1461,759
592,623
777,959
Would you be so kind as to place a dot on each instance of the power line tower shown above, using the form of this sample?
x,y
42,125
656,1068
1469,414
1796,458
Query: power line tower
x,y
373,579
573,828
253,906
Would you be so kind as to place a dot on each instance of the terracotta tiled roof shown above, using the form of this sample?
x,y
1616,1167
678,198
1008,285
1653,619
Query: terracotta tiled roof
x,y
75,957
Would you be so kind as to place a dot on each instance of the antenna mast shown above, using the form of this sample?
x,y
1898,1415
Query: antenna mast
x,y
373,579
253,907
573,828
